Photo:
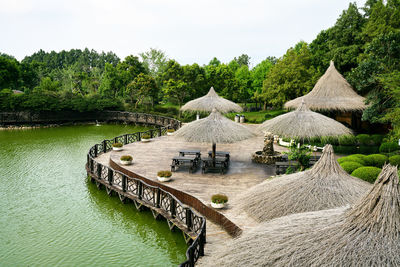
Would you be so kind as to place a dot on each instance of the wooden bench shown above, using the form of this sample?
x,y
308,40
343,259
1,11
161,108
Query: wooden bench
x,y
220,154
218,164
283,165
191,162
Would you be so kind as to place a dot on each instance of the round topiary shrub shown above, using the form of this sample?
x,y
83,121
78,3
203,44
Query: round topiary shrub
x,y
347,140
364,139
388,147
350,166
377,138
395,160
376,160
353,158
368,174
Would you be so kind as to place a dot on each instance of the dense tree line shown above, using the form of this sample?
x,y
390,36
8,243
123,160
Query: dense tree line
x,y
364,43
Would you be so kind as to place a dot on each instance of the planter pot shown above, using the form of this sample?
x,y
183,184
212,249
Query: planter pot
x,y
117,148
170,133
217,205
126,162
145,140
164,179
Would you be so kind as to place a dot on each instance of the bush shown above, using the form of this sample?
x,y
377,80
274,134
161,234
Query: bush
x,y
377,160
347,140
165,174
377,138
126,158
368,174
170,130
350,166
395,160
388,147
352,158
146,136
290,170
117,145
364,139
219,199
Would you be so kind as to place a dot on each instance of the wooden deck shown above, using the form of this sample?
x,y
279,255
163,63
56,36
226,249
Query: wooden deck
x,y
149,158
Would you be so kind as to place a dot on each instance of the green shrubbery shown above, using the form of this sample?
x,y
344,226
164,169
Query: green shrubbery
x,y
368,174
364,139
377,138
395,160
219,198
165,174
350,166
377,160
388,147
347,140
352,158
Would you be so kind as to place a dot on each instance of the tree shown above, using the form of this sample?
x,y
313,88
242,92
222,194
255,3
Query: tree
x,y
244,82
10,72
214,62
112,84
154,61
243,60
258,75
142,86
292,76
176,89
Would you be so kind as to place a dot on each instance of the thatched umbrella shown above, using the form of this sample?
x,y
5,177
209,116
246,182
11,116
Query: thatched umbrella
x,y
331,92
304,124
210,101
326,185
367,234
214,129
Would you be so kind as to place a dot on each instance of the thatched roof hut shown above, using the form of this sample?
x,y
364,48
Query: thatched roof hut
x,y
304,124
367,234
210,101
214,129
331,92
325,186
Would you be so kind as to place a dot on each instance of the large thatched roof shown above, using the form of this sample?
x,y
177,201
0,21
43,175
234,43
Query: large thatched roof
x,y
326,185
214,129
331,92
367,234
210,101
304,124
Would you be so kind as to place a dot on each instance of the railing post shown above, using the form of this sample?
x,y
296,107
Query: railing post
x,y
191,257
202,241
110,176
115,139
172,207
91,165
159,131
158,198
124,183
151,133
125,139
189,219
98,170
104,146
95,150
139,136
140,190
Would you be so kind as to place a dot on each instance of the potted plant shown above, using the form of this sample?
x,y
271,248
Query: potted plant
x,y
164,176
170,131
126,160
218,201
117,146
145,137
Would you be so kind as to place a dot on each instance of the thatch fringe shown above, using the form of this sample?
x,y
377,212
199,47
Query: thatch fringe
x,y
210,101
326,185
304,124
331,92
368,234
214,129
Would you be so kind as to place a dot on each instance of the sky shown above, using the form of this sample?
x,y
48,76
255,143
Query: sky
x,y
187,31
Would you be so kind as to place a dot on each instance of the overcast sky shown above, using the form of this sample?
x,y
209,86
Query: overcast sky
x,y
188,31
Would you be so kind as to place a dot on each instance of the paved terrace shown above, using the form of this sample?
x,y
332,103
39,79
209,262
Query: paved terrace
x,y
149,158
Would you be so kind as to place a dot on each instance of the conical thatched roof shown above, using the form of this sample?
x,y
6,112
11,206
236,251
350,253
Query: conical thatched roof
x,y
214,129
304,124
326,185
331,92
368,234
210,101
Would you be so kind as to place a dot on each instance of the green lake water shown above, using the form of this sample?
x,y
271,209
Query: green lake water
x,y
52,216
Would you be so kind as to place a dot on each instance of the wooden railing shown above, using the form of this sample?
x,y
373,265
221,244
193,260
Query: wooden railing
x,y
158,200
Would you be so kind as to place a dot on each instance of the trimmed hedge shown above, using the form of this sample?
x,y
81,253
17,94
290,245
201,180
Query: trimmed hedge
x,y
377,160
377,138
352,158
388,147
350,166
395,160
364,139
368,174
347,140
